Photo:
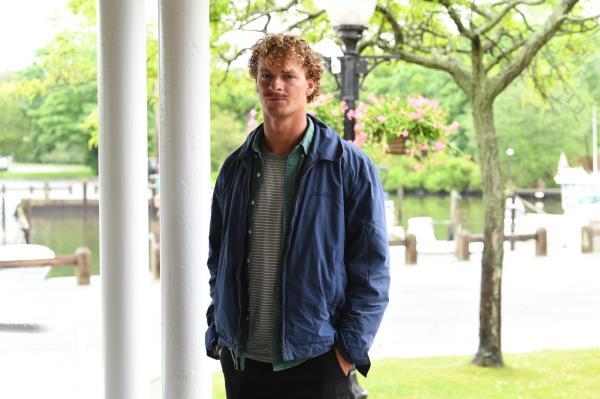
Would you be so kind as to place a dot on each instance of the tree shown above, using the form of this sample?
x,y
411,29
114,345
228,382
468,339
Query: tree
x,y
484,46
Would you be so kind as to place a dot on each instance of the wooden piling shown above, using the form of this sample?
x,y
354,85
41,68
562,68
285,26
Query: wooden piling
x,y
410,246
541,242
462,240
83,269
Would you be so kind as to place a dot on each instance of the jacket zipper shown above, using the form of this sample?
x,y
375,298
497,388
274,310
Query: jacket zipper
x,y
307,169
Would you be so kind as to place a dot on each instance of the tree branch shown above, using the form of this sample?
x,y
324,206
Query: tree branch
x,y
457,21
504,54
442,63
498,17
308,18
535,42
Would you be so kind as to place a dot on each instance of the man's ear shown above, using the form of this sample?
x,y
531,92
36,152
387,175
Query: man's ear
x,y
310,87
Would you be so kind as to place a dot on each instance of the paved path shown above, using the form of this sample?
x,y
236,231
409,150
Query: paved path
x,y
50,331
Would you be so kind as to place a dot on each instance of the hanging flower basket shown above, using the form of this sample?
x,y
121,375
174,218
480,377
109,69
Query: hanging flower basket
x,y
414,127
396,145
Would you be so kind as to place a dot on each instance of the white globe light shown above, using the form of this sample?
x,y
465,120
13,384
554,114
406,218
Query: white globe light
x,y
510,152
345,12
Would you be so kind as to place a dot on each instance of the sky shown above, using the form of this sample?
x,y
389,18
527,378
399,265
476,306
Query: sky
x,y
25,26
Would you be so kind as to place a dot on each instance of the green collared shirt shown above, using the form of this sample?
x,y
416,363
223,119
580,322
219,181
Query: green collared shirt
x,y
294,163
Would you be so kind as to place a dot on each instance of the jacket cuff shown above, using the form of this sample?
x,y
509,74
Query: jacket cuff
x,y
360,358
211,341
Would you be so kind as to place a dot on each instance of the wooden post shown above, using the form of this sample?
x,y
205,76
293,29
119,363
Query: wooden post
x,y
83,269
410,249
462,245
24,222
587,239
541,242
154,257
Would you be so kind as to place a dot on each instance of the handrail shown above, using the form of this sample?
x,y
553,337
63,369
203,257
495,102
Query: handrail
x,y
81,260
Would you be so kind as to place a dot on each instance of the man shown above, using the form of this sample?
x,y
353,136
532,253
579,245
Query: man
x,y
298,245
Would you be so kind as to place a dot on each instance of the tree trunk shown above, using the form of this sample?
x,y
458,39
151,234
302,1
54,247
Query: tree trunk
x,y
490,352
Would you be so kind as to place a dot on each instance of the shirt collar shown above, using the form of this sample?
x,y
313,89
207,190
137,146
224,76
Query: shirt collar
x,y
258,146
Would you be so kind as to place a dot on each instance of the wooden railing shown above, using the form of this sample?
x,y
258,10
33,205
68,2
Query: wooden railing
x,y
410,244
463,238
81,260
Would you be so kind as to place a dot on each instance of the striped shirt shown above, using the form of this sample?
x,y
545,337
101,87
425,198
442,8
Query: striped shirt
x,y
265,250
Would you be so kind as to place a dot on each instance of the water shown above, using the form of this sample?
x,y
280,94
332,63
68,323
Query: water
x,y
470,211
63,230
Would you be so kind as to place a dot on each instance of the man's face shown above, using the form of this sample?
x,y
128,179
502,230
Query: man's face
x,y
283,88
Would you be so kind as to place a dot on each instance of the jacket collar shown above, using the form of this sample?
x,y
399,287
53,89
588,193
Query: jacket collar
x,y
326,143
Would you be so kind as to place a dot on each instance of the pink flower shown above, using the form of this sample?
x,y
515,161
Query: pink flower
x,y
350,114
252,114
417,102
438,146
433,103
358,127
423,146
325,97
419,167
359,139
453,128
404,133
344,105
416,116
381,118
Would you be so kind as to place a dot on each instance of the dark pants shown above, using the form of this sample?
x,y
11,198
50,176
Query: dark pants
x,y
317,378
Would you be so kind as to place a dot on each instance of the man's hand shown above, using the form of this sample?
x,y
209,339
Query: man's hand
x,y
344,364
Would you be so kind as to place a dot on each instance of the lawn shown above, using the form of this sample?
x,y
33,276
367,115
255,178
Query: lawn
x,y
23,171
571,374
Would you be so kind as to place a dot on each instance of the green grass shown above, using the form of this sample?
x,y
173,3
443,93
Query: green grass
x,y
21,171
571,374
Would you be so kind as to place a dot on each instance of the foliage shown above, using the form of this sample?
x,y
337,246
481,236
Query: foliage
x,y
440,172
14,126
538,134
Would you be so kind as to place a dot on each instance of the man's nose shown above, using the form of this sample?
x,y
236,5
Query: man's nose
x,y
276,83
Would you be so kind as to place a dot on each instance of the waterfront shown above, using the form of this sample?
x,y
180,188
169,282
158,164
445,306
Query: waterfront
x,y
63,228
549,302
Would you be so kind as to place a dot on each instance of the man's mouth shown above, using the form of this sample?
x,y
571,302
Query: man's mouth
x,y
275,98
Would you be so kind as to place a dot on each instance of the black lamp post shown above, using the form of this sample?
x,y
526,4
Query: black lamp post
x,y
350,35
350,19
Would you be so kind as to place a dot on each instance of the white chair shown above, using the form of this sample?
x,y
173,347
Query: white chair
x,y
422,228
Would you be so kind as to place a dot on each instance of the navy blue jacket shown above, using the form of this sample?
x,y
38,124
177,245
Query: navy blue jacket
x,y
335,274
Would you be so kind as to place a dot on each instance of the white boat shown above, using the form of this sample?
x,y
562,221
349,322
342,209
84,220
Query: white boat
x,y
580,191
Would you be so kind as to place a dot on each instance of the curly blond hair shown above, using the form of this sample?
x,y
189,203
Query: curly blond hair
x,y
276,49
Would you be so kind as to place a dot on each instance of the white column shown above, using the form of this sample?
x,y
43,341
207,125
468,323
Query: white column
x,y
184,194
123,197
